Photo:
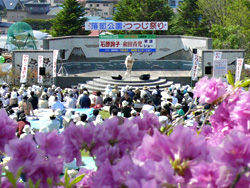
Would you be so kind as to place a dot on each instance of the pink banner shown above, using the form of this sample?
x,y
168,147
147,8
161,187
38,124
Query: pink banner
x,y
24,70
239,65
55,54
40,64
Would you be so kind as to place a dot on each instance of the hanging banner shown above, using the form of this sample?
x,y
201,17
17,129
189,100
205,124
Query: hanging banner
x,y
239,65
126,26
195,67
220,68
40,64
127,43
24,70
217,55
55,54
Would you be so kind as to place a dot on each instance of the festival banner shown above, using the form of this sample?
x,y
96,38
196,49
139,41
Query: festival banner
x,y
40,64
195,67
127,43
217,55
126,26
24,70
220,68
239,65
55,54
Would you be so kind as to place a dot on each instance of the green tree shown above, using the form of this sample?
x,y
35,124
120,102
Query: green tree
x,y
191,20
70,20
39,24
143,10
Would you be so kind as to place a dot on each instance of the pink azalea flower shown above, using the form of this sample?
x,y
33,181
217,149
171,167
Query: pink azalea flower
x,y
51,143
209,90
8,129
87,180
23,153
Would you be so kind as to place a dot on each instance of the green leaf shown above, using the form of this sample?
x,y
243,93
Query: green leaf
x,y
19,173
66,177
77,179
31,185
49,180
245,83
11,178
169,132
37,183
230,78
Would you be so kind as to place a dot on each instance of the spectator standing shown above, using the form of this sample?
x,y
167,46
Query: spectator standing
x,y
33,100
85,100
58,105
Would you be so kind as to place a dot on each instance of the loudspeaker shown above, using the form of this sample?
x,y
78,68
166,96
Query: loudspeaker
x,y
194,51
119,77
41,71
145,77
62,54
208,70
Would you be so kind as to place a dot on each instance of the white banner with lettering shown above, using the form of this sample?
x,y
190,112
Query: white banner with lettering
x,y
126,25
195,67
40,64
24,70
217,55
239,65
55,54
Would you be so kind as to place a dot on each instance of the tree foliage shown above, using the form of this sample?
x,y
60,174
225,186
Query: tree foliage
x,y
70,20
143,10
39,24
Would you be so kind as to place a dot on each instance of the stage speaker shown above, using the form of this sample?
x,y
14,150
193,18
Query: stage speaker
x,y
145,77
194,51
42,71
62,54
208,70
115,77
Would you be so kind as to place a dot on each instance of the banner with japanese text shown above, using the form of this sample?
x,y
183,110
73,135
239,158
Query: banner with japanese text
x,y
55,54
126,25
24,70
239,65
217,55
127,43
40,64
220,68
195,67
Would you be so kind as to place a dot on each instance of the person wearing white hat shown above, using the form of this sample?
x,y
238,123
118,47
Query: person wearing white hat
x,y
125,110
26,130
133,114
67,119
51,125
13,99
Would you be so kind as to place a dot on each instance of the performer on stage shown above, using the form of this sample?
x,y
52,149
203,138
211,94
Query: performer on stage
x,y
129,63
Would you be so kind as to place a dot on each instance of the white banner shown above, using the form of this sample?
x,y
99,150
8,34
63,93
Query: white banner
x,y
126,26
195,67
40,64
220,68
24,70
55,54
217,55
239,65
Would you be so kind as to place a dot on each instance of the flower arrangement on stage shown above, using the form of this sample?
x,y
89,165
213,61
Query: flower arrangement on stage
x,y
138,153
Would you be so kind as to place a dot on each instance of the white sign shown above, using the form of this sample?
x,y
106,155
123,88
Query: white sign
x,y
40,64
217,55
239,65
126,26
55,54
195,67
127,43
220,68
24,70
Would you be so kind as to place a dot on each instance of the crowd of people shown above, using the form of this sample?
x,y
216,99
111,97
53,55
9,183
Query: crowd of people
x,y
169,104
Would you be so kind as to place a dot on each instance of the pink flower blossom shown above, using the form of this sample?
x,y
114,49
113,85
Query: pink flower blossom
x,y
23,153
51,143
209,90
87,180
8,129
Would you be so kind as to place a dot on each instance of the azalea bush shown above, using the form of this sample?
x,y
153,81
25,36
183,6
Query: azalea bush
x,y
137,153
